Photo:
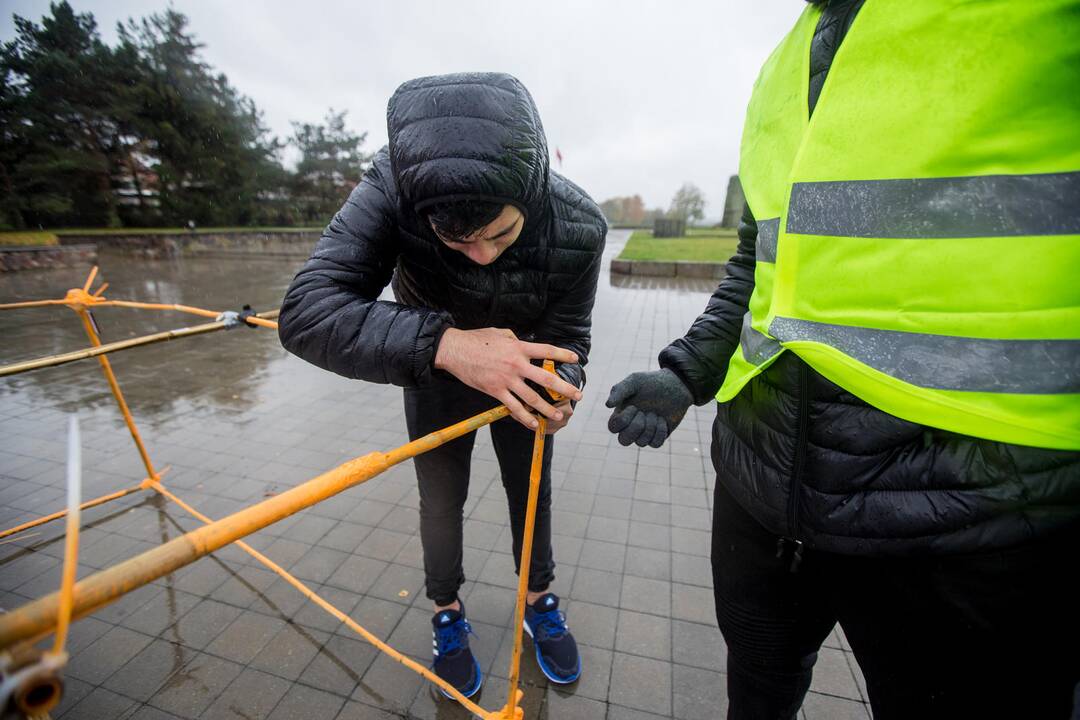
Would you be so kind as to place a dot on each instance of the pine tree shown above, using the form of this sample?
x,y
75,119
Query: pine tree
x,y
331,163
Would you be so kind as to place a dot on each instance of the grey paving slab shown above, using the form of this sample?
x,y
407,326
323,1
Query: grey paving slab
x,y
225,638
251,696
641,683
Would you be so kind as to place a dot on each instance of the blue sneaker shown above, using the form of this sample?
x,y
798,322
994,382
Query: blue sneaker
x,y
453,660
556,649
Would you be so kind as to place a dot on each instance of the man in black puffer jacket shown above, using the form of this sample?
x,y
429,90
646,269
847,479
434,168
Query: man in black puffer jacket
x,y
494,260
948,560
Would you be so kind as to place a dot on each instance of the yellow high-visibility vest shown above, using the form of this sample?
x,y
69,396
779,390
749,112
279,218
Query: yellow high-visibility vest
x,y
919,235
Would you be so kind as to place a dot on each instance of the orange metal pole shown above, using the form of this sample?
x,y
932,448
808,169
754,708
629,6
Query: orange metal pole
x,y
181,308
30,303
84,315
100,589
64,358
62,513
512,693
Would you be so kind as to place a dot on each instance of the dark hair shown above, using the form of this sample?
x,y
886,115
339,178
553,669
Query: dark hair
x,y
460,218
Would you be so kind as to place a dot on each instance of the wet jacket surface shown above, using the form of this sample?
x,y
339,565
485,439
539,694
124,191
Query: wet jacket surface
x,y
815,464
453,136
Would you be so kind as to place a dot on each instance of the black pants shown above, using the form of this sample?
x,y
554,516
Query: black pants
x,y
443,477
988,635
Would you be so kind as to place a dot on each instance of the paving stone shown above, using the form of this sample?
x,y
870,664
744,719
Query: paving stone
x,y
645,595
826,707
699,693
571,524
107,654
379,617
699,646
290,651
251,696
597,586
595,672
648,563
652,492
311,615
398,583
600,555
345,536
641,683
202,624
388,685
650,535
833,676
592,624
146,712
489,604
382,544
195,686
573,707
245,586
74,691
318,564
618,712
693,603
357,574
339,665
691,569
608,529
304,703
358,711
692,542
245,637
160,613
141,676
98,704
640,634
499,571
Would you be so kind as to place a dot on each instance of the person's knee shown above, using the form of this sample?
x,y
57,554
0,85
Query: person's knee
x,y
442,508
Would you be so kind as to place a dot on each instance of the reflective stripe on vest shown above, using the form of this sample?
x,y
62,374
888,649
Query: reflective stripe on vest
x,y
919,236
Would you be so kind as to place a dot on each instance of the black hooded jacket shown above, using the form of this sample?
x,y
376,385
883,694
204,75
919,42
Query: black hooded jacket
x,y
815,464
451,136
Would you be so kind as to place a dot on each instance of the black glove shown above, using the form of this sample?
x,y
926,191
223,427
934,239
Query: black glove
x,y
648,407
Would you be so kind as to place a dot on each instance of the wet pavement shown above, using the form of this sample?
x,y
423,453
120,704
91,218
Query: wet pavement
x,y
237,419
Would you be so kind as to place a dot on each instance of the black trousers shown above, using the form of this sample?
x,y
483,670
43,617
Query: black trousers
x,y
988,635
443,477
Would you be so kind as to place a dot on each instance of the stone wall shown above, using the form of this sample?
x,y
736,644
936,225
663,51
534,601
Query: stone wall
x,y
43,257
278,243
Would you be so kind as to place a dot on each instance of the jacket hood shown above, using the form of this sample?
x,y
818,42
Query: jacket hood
x,y
467,135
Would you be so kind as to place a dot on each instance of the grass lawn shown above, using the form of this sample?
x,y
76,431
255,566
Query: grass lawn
x,y
28,238
181,230
51,237
700,245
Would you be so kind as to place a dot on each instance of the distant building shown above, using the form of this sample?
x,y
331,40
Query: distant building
x,y
733,203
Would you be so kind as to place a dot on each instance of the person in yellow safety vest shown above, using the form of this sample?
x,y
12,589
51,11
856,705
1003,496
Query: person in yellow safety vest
x,y
895,352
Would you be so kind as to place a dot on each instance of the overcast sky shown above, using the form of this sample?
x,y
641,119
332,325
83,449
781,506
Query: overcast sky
x,y
638,96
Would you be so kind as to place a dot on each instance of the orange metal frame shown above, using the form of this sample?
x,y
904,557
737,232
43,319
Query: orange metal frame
x,y
39,618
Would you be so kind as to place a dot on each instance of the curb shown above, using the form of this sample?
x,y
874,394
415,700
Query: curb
x,y
673,268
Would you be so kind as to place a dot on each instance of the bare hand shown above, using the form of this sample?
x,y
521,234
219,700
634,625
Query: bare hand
x,y
495,362
567,411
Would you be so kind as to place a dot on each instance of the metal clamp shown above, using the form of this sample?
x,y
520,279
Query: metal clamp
x,y
233,319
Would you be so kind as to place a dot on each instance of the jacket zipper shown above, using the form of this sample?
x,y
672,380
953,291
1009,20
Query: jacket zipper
x,y
791,541
494,296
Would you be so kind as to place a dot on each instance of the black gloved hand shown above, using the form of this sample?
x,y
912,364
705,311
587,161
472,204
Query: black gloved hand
x,y
648,407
